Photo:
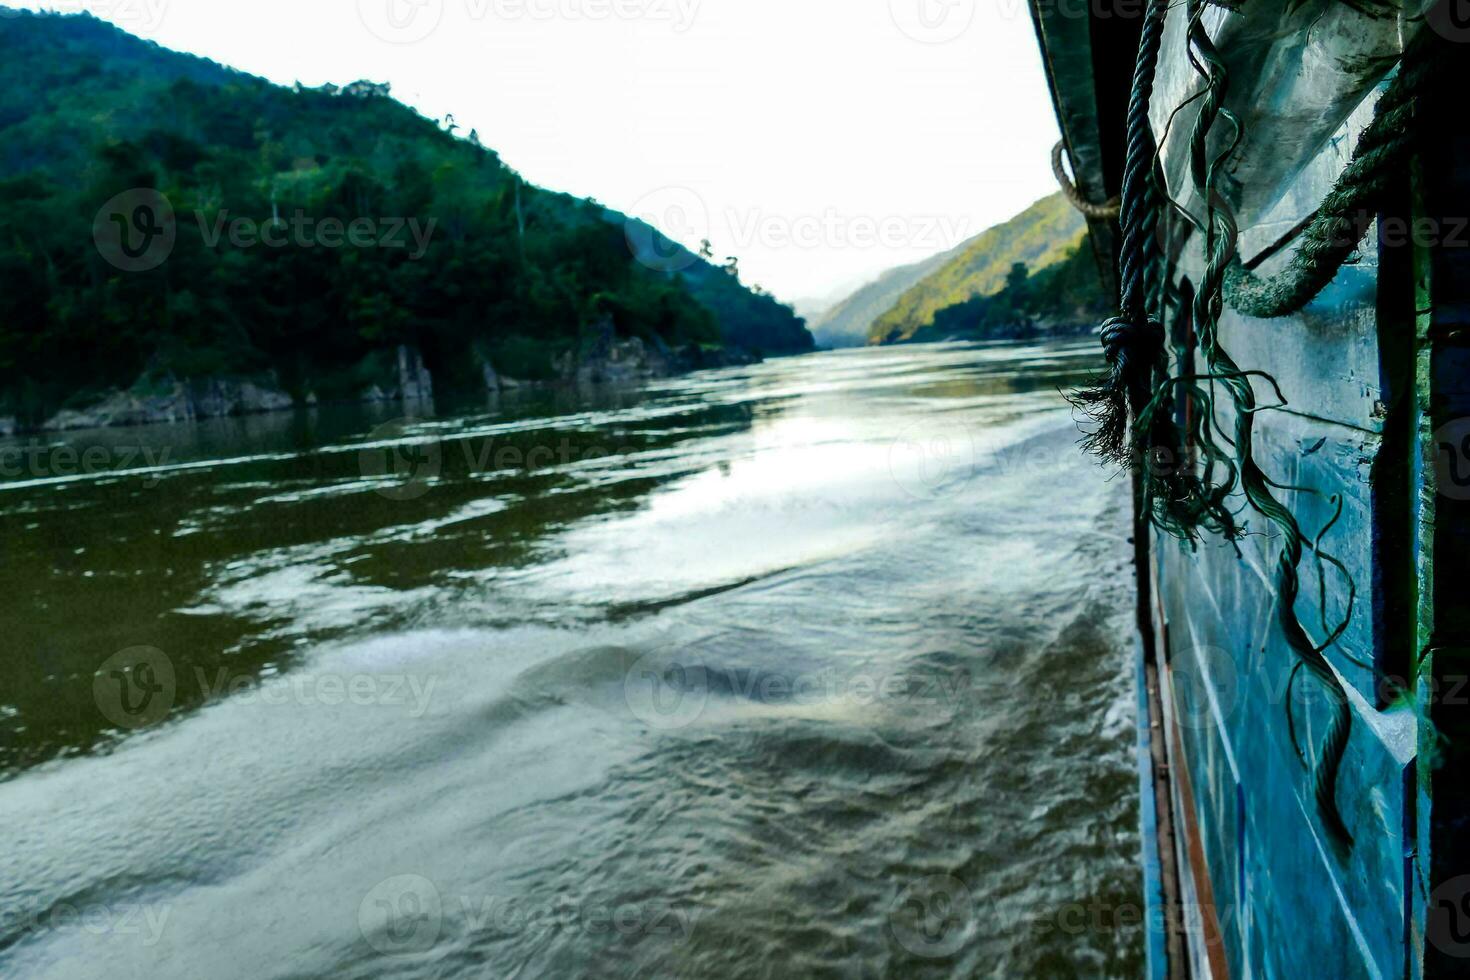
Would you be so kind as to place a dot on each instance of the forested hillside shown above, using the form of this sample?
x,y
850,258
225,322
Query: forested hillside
x,y
962,297
847,323
314,232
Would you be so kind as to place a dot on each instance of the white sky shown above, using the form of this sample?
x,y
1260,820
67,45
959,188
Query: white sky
x,y
820,141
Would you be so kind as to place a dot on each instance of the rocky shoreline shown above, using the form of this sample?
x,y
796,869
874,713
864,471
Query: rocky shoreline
x,y
604,360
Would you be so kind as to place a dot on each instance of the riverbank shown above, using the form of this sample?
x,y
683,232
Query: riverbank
x,y
602,359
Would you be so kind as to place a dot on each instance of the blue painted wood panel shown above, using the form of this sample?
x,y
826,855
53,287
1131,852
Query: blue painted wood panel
x,y
1288,902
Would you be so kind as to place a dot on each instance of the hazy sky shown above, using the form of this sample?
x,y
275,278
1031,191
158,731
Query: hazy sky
x,y
821,141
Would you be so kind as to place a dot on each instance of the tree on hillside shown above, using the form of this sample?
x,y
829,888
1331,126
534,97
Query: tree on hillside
x,y
1016,278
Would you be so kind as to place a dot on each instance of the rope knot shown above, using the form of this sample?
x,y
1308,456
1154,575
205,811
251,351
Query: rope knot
x,y
1135,347
1130,340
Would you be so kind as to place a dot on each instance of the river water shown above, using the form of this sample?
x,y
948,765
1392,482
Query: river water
x,y
814,668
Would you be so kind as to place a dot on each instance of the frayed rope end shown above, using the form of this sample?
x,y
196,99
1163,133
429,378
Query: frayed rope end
x,y
1134,349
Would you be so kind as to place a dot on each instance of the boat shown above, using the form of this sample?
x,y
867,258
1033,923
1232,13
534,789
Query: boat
x,y
1277,192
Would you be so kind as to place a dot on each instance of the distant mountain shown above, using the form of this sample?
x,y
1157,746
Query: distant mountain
x,y
813,308
309,239
1049,232
846,323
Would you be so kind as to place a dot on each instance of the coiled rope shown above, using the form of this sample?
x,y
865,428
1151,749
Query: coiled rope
x,y
1175,496
1097,212
1381,155
1132,341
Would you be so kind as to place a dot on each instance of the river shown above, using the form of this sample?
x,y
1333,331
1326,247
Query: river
x,y
812,668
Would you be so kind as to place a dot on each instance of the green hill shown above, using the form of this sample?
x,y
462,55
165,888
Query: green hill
x,y
1063,298
1045,234
847,323
368,229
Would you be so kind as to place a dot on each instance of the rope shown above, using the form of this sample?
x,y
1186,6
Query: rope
x,y
1382,154
1132,341
1139,208
1097,212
